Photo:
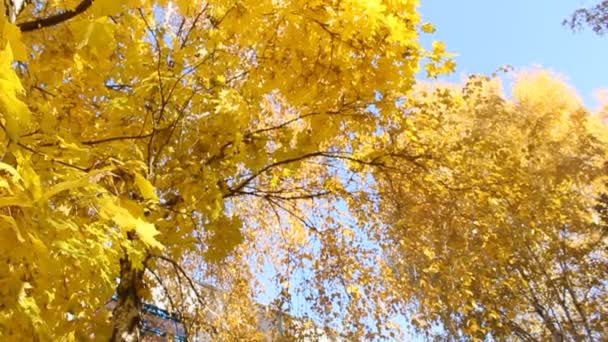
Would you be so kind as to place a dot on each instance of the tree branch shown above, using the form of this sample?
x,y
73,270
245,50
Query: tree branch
x,y
125,137
254,175
55,19
263,194
199,298
168,296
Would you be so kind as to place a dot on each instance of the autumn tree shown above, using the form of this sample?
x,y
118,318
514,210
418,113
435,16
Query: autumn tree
x,y
146,142
496,213
596,17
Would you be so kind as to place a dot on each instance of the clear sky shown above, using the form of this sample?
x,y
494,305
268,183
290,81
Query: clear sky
x,y
523,33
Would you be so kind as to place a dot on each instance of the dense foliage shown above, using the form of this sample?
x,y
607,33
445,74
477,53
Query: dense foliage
x,y
495,228
132,129
207,155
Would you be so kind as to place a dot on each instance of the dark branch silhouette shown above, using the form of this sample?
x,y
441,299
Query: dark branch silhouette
x,y
55,19
596,17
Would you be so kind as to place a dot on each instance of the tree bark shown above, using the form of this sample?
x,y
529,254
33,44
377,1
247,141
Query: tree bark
x,y
126,316
14,7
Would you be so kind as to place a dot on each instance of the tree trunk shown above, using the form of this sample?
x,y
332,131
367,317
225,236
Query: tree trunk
x,y
126,316
14,7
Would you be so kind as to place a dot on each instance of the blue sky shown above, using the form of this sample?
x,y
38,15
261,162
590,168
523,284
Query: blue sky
x,y
522,33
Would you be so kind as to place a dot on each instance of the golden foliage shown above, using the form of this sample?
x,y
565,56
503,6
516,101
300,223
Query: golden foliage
x,y
495,224
134,130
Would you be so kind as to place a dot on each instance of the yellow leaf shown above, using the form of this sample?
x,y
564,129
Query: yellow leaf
x,y
145,187
30,177
428,28
14,201
37,244
147,232
353,290
11,170
494,315
15,112
13,225
123,218
102,8
57,188
13,34
97,35
472,325
69,185
428,252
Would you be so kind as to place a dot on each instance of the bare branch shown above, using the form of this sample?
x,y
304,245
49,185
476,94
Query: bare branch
x,y
168,296
54,159
196,19
125,137
254,175
197,294
595,17
263,194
